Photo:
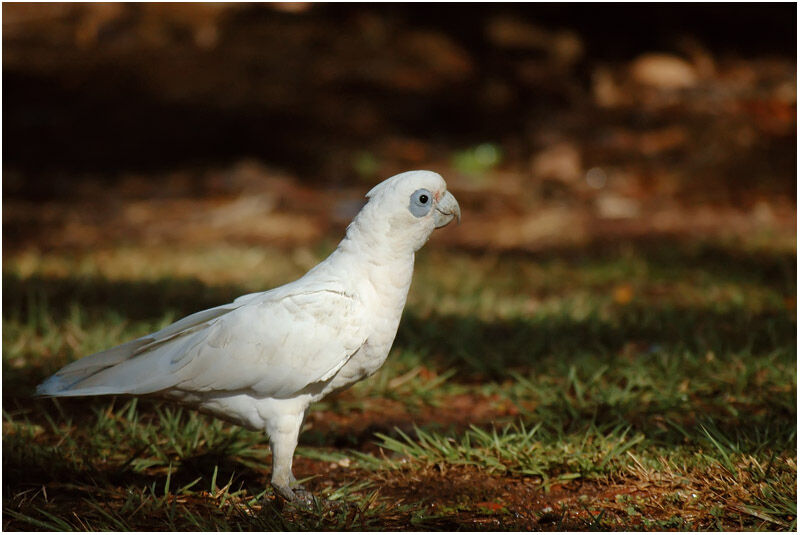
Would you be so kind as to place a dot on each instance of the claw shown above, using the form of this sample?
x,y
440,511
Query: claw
x,y
304,499
297,497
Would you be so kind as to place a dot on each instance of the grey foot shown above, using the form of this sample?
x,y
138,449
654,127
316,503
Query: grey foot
x,y
297,496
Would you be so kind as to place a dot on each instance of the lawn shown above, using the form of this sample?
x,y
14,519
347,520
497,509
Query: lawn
x,y
631,385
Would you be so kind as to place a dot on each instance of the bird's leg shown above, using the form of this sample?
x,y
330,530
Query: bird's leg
x,y
283,441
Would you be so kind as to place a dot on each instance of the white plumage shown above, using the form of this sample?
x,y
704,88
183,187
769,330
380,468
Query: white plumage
x,y
261,360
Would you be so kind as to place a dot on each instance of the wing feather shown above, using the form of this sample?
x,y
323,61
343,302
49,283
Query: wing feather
x,y
273,344
278,348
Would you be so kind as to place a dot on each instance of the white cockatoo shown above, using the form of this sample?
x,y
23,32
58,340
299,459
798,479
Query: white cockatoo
x,y
261,360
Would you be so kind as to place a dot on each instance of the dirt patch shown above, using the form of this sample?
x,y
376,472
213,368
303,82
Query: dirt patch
x,y
357,428
466,498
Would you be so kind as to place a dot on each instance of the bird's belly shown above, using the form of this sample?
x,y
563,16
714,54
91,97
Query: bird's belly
x,y
244,409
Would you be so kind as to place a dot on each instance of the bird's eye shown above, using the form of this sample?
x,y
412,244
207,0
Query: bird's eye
x,y
420,203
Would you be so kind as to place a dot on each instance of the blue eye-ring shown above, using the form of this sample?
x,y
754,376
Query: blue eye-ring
x,y
420,203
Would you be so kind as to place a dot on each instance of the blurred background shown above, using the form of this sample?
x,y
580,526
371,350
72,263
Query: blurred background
x,y
555,125
622,287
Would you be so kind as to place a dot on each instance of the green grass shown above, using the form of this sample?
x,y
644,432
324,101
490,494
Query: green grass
x,y
629,386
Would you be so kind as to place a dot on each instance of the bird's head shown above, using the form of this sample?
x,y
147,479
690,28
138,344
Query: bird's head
x,y
406,208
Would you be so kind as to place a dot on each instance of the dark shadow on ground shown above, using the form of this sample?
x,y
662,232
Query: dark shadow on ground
x,y
480,349
666,252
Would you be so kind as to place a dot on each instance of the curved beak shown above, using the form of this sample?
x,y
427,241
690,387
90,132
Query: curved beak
x,y
446,209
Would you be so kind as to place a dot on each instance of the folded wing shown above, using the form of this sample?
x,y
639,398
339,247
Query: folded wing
x,y
269,344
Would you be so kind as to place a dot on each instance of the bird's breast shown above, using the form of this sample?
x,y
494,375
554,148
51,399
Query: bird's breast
x,y
383,297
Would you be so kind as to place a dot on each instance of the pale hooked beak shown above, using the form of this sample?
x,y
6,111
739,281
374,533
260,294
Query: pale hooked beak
x,y
446,209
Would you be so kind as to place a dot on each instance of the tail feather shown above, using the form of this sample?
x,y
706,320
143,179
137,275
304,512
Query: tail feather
x,y
62,381
141,366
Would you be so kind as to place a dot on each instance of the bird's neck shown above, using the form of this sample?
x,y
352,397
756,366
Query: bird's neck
x,y
379,260
372,260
